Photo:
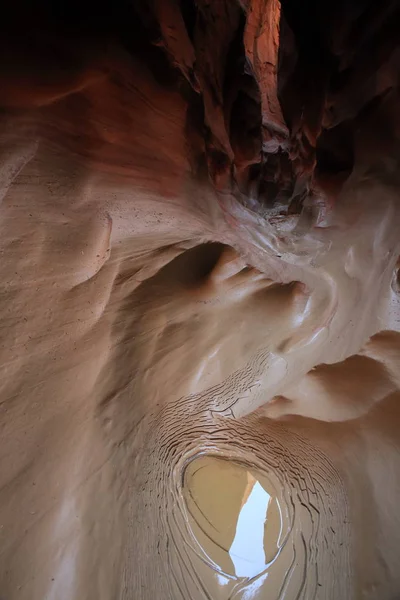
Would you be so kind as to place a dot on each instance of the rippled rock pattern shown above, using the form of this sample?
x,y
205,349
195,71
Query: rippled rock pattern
x,y
199,308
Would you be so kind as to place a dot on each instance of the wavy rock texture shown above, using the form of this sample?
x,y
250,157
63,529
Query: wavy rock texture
x,y
199,312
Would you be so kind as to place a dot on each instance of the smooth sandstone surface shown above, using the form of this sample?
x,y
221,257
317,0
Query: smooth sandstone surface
x,y
199,308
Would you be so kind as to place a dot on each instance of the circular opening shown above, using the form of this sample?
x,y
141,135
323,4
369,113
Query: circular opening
x,y
234,515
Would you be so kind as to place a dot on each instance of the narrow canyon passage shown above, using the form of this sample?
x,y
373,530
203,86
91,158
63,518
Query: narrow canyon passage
x,y
199,313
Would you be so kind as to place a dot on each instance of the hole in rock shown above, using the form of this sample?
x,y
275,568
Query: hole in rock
x,y
233,514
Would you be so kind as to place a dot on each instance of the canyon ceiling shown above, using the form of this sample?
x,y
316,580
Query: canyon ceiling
x,y
199,308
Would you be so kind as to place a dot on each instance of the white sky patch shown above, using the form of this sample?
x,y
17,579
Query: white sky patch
x,y
247,549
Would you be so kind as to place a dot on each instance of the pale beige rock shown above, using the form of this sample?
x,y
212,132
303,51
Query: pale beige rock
x,y
168,352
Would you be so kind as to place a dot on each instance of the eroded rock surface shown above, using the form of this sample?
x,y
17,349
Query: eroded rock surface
x,y
199,313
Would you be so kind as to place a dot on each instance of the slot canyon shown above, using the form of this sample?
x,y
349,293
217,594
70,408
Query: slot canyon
x,y
200,300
